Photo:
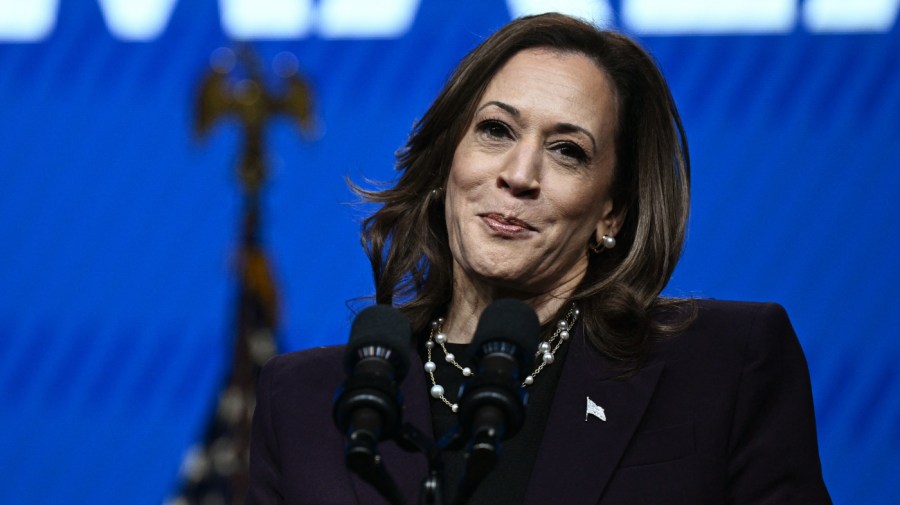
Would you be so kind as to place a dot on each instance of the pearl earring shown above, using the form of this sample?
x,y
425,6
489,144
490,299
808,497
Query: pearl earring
x,y
605,242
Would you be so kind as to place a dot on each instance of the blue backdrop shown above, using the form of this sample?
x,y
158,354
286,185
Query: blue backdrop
x,y
118,226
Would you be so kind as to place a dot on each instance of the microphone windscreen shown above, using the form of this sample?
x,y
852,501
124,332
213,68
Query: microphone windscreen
x,y
512,321
381,327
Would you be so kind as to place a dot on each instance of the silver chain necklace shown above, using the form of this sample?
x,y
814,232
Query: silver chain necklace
x,y
546,350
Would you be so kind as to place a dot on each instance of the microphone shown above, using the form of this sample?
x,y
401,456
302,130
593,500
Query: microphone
x,y
367,408
492,405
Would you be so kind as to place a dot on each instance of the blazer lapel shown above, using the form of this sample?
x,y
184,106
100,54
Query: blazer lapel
x,y
577,457
406,468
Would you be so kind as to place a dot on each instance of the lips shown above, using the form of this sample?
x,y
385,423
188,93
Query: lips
x,y
506,225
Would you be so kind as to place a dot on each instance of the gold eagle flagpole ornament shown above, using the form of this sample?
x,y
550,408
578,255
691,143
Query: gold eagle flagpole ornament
x,y
235,88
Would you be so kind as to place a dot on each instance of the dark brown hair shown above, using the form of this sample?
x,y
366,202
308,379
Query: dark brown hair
x,y
406,239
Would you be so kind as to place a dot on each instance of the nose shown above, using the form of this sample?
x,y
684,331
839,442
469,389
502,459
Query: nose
x,y
522,169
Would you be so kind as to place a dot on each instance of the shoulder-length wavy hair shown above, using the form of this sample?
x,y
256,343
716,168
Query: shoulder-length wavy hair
x,y
406,239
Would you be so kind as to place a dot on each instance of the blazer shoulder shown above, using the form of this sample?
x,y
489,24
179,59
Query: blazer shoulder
x,y
312,357
314,366
755,329
738,310
739,317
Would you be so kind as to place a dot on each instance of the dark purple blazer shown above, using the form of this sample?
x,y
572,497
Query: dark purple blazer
x,y
722,413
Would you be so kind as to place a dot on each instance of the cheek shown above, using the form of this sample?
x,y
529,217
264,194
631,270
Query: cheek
x,y
582,206
467,168
454,195
464,182
589,205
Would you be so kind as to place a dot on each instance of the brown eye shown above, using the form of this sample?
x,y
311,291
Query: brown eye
x,y
573,151
494,129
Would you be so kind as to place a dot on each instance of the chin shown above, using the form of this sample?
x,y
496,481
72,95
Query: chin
x,y
498,264
510,279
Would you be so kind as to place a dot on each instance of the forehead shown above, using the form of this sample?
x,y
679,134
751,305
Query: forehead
x,y
550,84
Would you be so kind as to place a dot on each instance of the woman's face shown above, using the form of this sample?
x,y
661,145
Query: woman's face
x,y
530,180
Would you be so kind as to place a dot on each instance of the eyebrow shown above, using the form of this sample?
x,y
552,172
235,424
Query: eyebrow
x,y
561,127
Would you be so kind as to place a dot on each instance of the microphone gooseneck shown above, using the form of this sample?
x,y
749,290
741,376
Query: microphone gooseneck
x,y
367,408
492,405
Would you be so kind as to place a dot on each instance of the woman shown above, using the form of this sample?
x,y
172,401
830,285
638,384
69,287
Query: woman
x,y
553,168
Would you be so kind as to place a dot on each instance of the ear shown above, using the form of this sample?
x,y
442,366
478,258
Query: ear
x,y
610,221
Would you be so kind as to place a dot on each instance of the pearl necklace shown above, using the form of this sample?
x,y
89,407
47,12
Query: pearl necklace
x,y
546,350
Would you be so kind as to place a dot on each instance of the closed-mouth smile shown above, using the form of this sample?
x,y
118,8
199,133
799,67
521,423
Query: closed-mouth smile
x,y
506,225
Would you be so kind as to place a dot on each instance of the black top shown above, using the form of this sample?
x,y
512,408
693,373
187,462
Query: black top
x,y
509,480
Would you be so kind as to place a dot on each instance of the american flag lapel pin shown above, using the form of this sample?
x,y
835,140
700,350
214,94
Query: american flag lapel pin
x,y
594,410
